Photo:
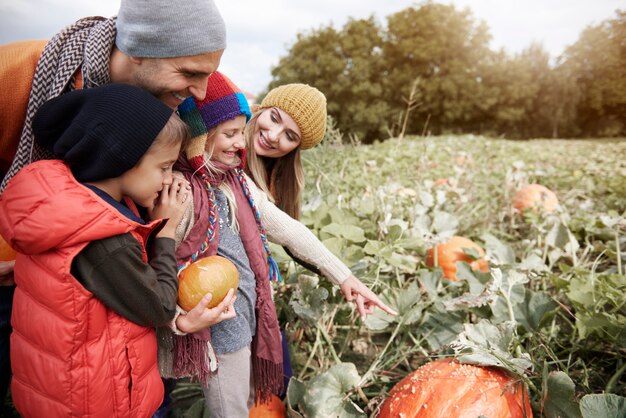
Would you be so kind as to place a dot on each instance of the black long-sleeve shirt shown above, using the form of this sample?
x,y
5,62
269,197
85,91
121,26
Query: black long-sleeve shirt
x,y
114,271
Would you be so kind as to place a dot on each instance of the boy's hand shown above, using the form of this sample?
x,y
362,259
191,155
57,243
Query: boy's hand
x,y
201,317
172,204
356,291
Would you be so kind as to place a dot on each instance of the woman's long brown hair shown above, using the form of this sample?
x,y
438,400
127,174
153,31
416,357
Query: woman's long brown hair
x,y
282,179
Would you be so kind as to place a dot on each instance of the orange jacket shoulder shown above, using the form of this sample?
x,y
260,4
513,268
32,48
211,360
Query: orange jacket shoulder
x,y
18,61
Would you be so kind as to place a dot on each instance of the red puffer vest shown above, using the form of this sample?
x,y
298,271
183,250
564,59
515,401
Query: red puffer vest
x,y
70,354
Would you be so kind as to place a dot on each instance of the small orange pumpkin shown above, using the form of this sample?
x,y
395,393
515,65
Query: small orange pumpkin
x,y
273,408
535,197
213,274
6,252
451,251
445,388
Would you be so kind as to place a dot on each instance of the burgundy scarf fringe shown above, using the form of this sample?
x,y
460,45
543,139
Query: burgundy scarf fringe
x,y
268,378
191,358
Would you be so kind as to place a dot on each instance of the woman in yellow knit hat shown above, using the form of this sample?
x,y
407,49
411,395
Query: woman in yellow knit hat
x,y
231,217
290,118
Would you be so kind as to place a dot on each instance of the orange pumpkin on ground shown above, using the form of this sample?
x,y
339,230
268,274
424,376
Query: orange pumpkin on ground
x,y
212,274
6,252
450,252
445,388
274,408
535,197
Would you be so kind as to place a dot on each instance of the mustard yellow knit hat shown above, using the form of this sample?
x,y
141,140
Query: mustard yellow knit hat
x,y
306,105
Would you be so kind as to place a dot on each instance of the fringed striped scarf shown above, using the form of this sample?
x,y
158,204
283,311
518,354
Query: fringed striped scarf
x,y
85,45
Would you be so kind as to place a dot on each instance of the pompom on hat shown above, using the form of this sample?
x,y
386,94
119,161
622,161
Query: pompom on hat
x,y
223,101
101,132
306,105
167,29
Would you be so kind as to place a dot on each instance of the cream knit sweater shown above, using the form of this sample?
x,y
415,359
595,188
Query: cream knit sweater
x,y
284,230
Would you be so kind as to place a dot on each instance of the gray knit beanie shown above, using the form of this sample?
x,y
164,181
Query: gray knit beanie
x,y
167,28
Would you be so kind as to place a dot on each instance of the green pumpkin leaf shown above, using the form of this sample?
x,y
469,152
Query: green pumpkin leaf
x,y
503,253
326,394
309,300
295,395
603,405
441,327
486,344
349,232
558,398
534,309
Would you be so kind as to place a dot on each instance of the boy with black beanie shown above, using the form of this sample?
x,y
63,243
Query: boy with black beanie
x,y
93,278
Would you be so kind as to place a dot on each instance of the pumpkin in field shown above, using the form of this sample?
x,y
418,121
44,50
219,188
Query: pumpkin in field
x,y
450,252
273,408
212,274
6,252
535,197
445,388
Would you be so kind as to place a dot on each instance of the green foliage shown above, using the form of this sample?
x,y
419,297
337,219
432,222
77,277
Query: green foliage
x,y
325,395
368,72
347,66
551,309
444,48
598,64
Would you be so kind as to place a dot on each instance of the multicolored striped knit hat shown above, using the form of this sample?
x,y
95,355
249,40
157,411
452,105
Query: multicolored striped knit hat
x,y
223,101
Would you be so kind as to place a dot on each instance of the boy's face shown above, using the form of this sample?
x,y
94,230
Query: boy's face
x,y
144,182
275,134
228,141
172,80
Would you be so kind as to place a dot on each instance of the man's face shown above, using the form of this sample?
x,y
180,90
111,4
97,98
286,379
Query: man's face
x,y
174,79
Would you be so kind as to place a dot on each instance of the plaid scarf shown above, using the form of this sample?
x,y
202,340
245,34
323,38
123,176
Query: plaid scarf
x,y
85,45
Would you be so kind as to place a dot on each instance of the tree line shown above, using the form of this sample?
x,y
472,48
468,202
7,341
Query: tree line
x,y
430,70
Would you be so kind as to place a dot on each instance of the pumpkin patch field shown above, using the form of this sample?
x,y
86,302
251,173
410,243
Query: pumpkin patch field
x,y
532,319
510,299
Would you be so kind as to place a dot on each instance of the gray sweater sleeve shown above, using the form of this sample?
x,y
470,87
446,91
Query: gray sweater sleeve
x,y
114,271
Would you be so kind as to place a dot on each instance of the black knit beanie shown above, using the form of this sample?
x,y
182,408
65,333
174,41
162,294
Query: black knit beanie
x,y
101,132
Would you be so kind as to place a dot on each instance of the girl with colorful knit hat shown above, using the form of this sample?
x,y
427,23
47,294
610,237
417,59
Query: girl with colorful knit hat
x,y
241,358
291,118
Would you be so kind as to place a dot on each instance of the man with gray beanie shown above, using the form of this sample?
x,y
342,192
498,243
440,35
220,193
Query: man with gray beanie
x,y
166,47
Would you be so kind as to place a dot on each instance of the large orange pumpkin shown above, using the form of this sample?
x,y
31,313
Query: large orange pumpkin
x,y
6,252
274,408
450,252
445,388
535,197
212,274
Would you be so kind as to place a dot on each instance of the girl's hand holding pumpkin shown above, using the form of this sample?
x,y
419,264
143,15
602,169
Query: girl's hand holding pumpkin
x,y
201,317
356,291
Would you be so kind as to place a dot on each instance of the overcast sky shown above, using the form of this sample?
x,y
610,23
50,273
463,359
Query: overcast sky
x,y
260,31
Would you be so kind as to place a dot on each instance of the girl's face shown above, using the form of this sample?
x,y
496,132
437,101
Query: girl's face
x,y
275,134
228,142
